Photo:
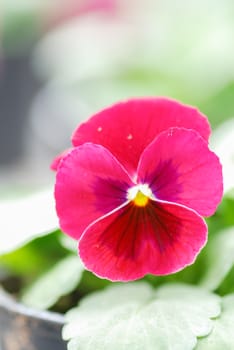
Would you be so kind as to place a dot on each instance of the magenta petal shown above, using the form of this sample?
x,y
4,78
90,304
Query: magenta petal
x,y
127,128
90,182
160,239
56,161
179,167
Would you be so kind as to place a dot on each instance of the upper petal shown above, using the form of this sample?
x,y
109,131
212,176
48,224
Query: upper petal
x,y
131,242
126,128
90,182
179,167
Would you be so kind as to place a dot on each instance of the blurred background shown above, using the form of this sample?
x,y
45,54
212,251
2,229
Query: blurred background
x,y
62,60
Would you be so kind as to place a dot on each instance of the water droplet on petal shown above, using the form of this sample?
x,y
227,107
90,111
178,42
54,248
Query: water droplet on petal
x,y
129,137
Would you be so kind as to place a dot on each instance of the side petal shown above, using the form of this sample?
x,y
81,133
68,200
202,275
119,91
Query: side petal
x,y
179,167
56,161
90,182
127,244
126,128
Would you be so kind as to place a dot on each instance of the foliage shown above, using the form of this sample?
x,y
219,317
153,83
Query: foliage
x,y
135,316
167,54
191,309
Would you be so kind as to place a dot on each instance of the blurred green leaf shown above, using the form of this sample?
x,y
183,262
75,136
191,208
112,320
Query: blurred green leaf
x,y
135,316
227,285
69,243
220,259
222,142
223,217
62,279
21,24
34,258
91,283
26,218
220,107
222,336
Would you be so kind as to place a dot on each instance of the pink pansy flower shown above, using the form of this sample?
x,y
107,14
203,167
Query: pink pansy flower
x,y
135,186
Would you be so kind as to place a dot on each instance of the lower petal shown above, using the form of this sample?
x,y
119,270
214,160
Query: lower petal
x,y
159,239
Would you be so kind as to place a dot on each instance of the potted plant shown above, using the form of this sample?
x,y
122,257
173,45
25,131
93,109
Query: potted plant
x,y
130,193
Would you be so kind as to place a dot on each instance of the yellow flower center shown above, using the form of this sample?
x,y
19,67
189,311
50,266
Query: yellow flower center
x,y
141,199
140,195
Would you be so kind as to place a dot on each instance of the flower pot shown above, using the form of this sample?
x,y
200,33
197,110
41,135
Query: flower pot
x,y
17,87
23,328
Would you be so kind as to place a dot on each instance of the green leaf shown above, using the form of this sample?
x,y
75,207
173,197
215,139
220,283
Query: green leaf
x,y
35,258
69,243
223,217
135,316
222,144
60,280
24,219
219,106
221,337
220,259
20,24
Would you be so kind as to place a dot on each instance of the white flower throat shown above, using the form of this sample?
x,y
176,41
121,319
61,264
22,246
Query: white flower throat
x,y
140,195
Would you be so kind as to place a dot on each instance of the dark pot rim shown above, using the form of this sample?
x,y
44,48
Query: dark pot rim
x,y
7,302
23,327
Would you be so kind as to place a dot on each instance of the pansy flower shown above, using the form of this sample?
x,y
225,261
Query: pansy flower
x,y
135,185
